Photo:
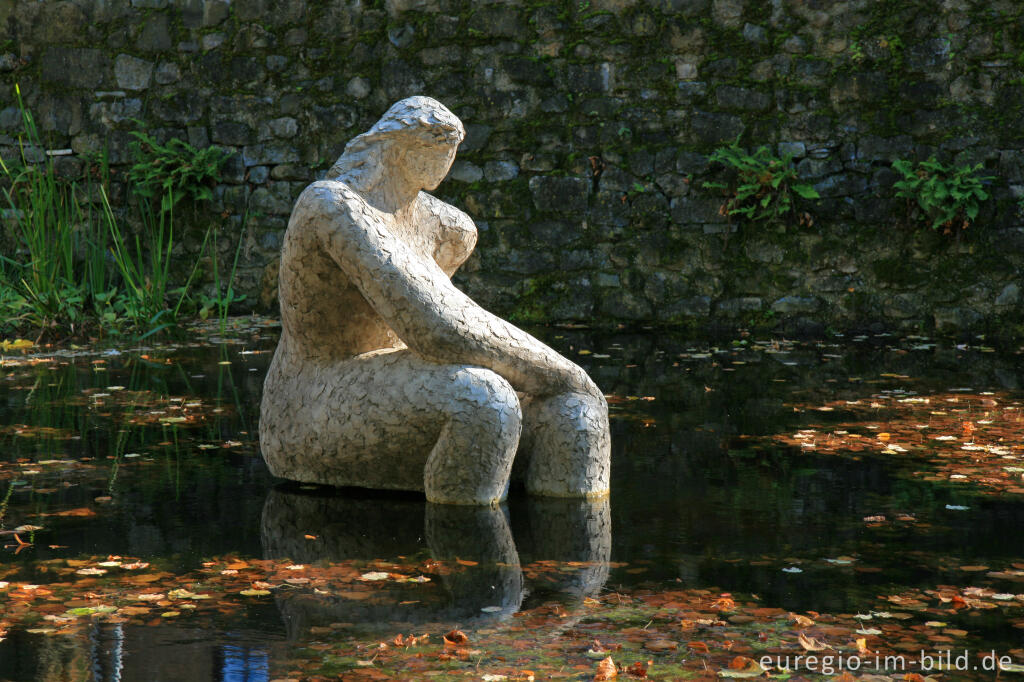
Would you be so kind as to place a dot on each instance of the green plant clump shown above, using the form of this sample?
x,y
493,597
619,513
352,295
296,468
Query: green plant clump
x,y
948,197
74,267
762,187
174,170
56,267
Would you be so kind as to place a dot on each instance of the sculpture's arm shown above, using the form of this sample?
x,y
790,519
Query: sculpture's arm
x,y
456,234
419,302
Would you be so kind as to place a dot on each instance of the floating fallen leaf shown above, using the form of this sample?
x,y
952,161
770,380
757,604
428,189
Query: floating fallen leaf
x,y
660,646
373,576
80,512
811,644
606,670
254,593
456,638
639,669
91,571
742,667
801,621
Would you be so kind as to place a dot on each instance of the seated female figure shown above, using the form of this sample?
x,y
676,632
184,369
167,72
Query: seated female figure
x,y
386,375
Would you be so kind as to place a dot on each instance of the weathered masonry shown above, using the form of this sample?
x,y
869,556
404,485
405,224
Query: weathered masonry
x,y
589,125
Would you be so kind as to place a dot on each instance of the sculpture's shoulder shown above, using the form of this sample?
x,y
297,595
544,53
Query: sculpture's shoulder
x,y
329,196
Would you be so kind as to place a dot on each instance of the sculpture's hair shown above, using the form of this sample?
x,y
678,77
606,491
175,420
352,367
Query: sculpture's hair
x,y
421,118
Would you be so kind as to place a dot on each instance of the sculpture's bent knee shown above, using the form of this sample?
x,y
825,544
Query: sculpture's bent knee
x,y
570,446
472,459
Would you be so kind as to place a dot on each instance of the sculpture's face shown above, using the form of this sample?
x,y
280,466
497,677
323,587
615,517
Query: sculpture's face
x,y
429,163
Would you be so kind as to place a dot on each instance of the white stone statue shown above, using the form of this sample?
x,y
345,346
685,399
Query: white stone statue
x,y
386,375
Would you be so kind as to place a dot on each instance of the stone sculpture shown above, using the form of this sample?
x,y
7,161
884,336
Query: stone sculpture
x,y
386,375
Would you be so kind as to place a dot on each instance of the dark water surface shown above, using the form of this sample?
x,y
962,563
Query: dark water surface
x,y
158,446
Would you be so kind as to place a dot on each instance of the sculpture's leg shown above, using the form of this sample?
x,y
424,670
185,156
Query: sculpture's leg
x,y
393,420
472,459
567,445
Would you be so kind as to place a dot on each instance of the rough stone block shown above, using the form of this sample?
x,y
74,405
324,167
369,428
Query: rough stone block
x,y
75,67
269,154
623,304
111,114
711,129
358,87
727,13
466,171
755,34
559,195
692,307
258,174
167,73
796,304
155,35
500,171
132,73
590,77
285,127
1009,296
744,99
736,306
504,21
274,199
927,56
182,108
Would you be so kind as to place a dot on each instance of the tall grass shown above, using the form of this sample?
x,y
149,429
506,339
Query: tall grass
x,y
76,264
55,268
145,268
223,298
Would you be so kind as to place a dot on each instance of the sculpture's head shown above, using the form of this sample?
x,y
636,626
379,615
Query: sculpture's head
x,y
416,138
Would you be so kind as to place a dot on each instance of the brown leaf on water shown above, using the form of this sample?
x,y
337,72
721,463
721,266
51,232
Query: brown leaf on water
x,y
466,562
660,646
606,670
812,644
801,621
743,666
456,638
80,512
638,670
698,647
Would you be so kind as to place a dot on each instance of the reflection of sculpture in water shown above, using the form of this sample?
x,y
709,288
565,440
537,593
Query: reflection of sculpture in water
x,y
386,375
576,531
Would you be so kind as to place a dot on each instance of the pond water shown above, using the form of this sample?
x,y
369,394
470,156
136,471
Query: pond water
x,y
137,472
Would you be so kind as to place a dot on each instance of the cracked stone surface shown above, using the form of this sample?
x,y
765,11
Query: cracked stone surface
x,y
386,375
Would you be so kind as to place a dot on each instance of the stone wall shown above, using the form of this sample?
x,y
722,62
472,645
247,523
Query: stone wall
x,y
589,124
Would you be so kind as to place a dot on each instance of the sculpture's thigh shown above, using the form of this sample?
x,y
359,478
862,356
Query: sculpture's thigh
x,y
376,420
566,446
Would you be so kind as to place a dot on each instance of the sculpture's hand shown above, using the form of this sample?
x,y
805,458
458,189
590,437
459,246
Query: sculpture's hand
x,y
418,301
